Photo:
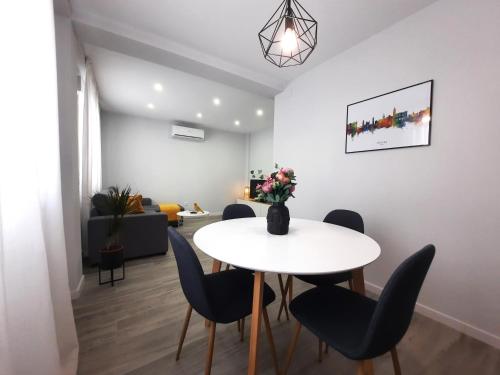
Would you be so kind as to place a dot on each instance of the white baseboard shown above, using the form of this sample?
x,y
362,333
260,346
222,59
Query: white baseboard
x,y
76,292
448,320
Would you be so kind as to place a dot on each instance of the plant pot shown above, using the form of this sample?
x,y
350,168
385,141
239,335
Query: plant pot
x,y
112,258
278,219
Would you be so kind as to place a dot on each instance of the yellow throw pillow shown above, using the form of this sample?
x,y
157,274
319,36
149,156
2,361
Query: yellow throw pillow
x,y
135,204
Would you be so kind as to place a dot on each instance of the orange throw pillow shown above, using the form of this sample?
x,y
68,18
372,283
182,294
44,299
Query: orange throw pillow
x,y
135,204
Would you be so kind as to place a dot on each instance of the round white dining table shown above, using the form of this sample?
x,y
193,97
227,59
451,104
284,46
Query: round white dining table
x,y
310,247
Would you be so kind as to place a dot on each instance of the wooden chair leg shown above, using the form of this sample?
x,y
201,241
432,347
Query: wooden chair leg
x,y
227,267
242,330
290,288
291,348
283,304
269,334
320,350
183,332
350,284
238,324
395,361
210,352
365,367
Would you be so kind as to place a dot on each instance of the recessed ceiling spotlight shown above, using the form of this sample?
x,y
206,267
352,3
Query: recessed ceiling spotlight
x,y
237,122
158,87
151,106
199,115
259,112
216,101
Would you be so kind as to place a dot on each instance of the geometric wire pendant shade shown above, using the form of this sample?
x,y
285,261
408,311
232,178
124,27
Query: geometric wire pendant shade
x,y
290,35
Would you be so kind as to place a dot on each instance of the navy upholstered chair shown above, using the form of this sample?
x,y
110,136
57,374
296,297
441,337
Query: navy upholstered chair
x,y
357,326
222,297
237,211
345,218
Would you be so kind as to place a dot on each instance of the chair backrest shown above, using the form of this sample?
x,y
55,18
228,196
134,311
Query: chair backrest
x,y
191,274
237,211
346,218
396,304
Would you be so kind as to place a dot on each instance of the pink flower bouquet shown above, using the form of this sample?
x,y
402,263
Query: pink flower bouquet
x,y
278,187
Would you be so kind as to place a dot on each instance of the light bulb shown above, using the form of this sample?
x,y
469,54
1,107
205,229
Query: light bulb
x,y
289,40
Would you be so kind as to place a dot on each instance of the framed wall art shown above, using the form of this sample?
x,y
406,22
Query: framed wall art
x,y
397,119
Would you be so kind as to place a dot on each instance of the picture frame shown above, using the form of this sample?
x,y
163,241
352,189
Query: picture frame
x,y
397,119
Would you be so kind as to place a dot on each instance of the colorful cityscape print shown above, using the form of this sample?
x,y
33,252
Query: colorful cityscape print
x,y
396,120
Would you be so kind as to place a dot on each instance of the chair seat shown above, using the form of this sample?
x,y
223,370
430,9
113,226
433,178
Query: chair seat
x,y
336,315
231,294
326,280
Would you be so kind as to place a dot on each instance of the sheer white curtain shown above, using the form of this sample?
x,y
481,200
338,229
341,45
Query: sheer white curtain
x,y
89,146
37,330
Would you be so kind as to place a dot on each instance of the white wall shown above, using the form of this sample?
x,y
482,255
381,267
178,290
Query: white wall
x,y
260,154
141,152
69,57
446,194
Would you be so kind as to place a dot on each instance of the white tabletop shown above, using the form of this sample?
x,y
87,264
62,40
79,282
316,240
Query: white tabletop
x,y
310,247
190,214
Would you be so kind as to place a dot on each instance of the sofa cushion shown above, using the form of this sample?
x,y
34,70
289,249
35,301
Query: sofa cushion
x,y
100,202
147,201
152,208
135,204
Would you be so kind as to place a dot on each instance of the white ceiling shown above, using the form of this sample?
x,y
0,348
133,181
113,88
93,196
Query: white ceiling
x,y
126,86
224,32
200,49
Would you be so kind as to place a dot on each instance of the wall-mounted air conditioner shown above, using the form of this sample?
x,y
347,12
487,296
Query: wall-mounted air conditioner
x,y
188,133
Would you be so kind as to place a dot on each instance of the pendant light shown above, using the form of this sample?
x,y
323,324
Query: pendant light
x,y
290,35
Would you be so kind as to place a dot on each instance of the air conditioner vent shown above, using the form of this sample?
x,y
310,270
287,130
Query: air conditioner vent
x,y
188,133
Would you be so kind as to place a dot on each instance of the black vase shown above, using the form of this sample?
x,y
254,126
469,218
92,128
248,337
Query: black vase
x,y
278,219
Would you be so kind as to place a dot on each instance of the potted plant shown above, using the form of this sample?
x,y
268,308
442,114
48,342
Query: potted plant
x,y
117,202
277,188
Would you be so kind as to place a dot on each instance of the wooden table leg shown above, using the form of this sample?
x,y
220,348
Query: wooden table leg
x,y
365,367
283,304
291,348
358,285
358,281
216,266
290,288
258,294
269,334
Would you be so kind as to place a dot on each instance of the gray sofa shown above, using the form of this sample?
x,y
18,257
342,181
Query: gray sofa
x,y
141,234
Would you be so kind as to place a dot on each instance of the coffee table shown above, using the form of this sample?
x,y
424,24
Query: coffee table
x,y
190,215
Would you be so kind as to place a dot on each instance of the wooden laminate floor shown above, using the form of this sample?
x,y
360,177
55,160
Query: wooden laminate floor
x,y
133,328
